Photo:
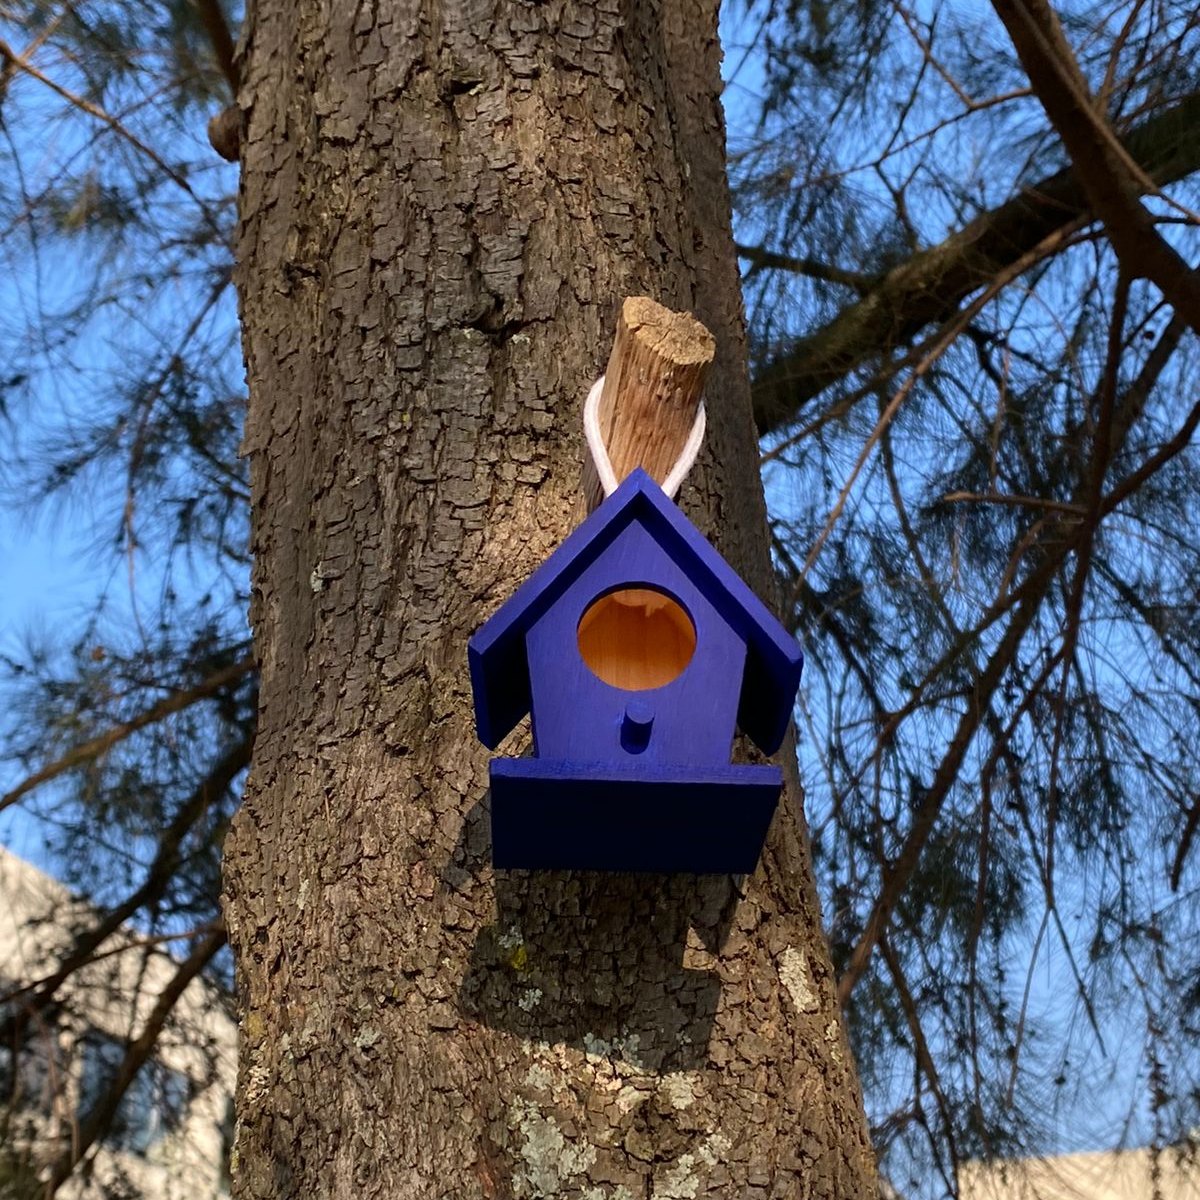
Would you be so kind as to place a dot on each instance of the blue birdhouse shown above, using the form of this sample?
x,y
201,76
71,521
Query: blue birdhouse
x,y
638,651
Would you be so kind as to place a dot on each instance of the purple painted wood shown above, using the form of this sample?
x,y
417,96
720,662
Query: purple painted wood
x,y
550,815
579,717
497,655
615,767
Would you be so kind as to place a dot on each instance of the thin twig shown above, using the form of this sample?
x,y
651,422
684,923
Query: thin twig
x,y
94,747
94,110
216,25
1040,502
140,1049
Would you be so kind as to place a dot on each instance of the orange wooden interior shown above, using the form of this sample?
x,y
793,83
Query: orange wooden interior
x,y
636,638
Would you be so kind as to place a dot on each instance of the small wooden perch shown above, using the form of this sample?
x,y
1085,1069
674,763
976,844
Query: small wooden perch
x,y
652,389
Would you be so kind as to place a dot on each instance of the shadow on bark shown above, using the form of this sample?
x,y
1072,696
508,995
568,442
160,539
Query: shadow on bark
x,y
597,961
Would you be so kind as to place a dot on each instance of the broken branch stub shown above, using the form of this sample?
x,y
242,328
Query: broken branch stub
x,y
652,390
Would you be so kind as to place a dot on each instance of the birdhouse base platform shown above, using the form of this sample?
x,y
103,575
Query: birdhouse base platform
x,y
549,815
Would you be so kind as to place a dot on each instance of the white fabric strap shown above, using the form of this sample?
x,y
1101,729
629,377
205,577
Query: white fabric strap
x,y
599,452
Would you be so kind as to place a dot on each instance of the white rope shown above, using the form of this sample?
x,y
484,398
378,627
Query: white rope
x,y
599,452
595,443
687,456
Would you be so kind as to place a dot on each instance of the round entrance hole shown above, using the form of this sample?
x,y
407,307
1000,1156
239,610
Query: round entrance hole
x,y
636,638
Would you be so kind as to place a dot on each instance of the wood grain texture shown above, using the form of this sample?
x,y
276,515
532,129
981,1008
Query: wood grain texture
x,y
636,639
441,206
653,386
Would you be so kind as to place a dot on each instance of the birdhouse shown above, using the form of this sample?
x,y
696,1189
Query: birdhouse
x,y
638,651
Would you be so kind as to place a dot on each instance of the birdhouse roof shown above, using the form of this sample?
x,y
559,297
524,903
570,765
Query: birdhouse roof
x,y
497,655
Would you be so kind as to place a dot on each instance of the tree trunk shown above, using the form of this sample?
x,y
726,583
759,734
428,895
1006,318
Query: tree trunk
x,y
442,207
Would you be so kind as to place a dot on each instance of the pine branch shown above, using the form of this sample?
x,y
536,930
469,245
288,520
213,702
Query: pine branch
x,y
20,62
1110,180
1028,599
95,747
140,1049
157,879
930,286
898,872
925,1061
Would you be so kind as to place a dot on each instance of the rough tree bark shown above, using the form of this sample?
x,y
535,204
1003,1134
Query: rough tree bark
x,y
442,206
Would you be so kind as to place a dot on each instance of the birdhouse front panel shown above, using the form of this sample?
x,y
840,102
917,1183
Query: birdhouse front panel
x,y
638,651
634,661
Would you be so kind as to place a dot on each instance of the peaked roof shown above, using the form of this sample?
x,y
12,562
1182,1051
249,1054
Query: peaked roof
x,y
496,653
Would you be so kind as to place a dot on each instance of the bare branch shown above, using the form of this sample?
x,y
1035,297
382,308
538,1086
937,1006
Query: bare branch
x,y
93,748
931,285
1186,838
135,1058
1111,180
762,259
